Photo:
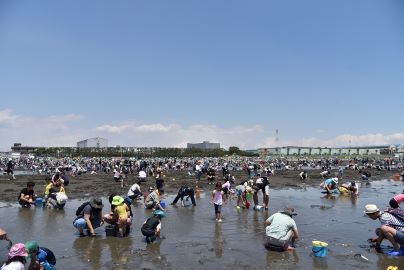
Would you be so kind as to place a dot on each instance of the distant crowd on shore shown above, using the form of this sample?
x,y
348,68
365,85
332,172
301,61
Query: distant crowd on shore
x,y
193,166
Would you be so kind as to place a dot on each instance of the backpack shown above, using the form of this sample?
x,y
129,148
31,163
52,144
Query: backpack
x,y
50,257
80,208
396,212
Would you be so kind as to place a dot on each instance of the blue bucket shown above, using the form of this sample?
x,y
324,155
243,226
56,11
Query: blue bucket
x,y
163,204
320,249
38,202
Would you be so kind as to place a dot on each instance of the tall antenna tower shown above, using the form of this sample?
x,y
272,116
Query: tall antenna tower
x,y
276,136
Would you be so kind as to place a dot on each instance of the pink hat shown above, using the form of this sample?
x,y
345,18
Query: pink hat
x,y
17,250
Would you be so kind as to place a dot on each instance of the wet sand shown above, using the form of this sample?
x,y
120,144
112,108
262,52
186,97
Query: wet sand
x,y
193,240
102,184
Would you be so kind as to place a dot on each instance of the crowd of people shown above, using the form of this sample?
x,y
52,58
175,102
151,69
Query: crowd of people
x,y
212,167
281,229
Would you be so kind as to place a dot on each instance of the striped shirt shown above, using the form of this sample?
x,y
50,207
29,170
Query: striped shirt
x,y
390,220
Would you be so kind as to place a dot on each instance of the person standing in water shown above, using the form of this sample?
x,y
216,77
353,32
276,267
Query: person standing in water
x,y
217,200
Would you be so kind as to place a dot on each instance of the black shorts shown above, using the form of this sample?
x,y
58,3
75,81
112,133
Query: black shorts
x,y
258,187
218,208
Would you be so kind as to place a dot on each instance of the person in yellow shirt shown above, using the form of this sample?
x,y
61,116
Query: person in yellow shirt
x,y
121,212
48,186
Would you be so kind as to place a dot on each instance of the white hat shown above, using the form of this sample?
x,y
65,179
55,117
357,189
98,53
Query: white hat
x,y
371,209
335,180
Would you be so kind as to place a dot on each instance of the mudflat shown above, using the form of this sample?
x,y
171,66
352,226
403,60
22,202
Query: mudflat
x,y
102,184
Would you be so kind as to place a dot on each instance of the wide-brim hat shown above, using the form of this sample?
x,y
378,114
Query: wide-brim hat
x,y
17,250
96,203
290,211
371,209
117,200
2,232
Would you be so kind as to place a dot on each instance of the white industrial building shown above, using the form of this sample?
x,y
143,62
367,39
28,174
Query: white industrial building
x,y
321,151
96,142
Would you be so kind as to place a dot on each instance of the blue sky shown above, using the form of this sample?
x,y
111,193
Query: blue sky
x,y
163,73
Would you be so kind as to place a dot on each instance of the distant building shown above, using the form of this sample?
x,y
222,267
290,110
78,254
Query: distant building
x,y
19,148
323,151
96,142
204,145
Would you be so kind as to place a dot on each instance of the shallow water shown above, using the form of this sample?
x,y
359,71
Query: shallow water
x,y
193,240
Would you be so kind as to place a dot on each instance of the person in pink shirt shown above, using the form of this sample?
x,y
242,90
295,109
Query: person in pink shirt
x,y
217,200
396,200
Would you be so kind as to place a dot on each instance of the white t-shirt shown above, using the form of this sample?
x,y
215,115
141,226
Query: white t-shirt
x,y
142,174
134,187
13,266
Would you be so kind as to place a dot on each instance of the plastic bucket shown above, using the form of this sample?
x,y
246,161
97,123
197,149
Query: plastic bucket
x,y
111,230
38,202
163,204
320,249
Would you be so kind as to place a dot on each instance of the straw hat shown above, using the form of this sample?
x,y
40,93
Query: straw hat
x,y
371,209
3,234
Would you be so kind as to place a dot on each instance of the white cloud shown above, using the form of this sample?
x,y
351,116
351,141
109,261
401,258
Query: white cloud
x,y
175,135
54,130
6,117
145,128
156,128
67,129
64,118
113,129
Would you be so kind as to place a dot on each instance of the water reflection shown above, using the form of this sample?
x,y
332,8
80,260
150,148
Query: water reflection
x,y
282,260
89,251
320,263
120,249
218,242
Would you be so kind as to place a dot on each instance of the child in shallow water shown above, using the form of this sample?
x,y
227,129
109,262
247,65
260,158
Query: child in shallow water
x,y
121,211
217,200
